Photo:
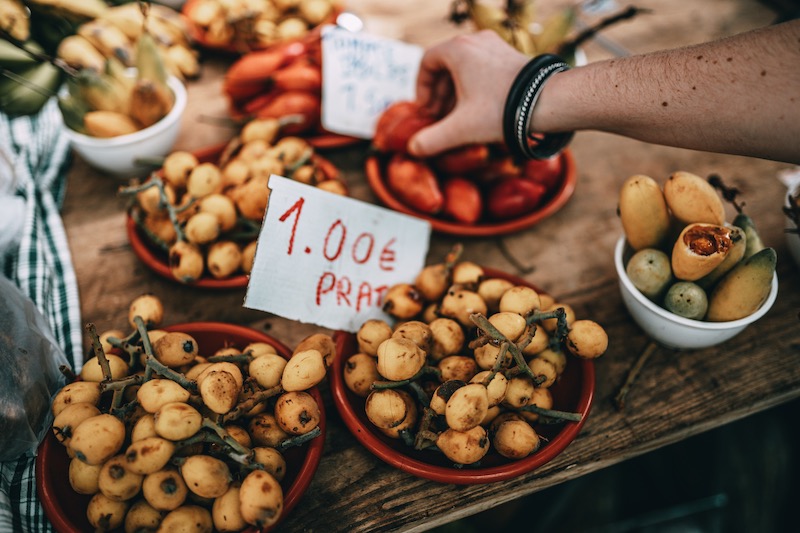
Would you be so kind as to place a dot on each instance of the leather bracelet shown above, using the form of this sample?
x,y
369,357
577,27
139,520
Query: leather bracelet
x,y
521,99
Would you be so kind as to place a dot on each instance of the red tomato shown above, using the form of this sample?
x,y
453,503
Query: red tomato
x,y
548,172
414,183
462,200
397,124
514,197
462,160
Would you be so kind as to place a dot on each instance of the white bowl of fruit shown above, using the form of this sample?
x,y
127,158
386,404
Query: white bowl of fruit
x,y
690,279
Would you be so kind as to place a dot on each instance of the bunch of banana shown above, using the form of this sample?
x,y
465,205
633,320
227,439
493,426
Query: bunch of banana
x,y
26,83
73,10
115,32
14,19
516,23
108,102
246,25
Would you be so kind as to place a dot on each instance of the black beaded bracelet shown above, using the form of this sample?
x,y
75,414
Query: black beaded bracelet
x,y
521,99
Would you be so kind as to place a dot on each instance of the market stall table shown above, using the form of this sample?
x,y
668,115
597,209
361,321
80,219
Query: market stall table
x,y
570,255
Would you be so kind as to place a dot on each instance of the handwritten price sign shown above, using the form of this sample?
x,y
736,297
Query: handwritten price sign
x,y
361,75
328,260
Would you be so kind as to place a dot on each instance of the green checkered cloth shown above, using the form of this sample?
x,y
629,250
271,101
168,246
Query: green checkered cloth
x,y
41,266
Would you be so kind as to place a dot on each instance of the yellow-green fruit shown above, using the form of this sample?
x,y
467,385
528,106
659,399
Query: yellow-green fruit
x,y
693,199
735,254
643,212
699,249
744,289
753,242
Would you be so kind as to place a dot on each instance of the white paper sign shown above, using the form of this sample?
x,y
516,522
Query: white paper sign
x,y
328,259
361,75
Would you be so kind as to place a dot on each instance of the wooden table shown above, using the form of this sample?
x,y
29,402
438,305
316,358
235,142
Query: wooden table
x,y
677,395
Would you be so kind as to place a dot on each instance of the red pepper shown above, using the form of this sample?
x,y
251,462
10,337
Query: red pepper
x,y
397,124
499,169
301,103
548,172
414,184
514,197
462,160
462,200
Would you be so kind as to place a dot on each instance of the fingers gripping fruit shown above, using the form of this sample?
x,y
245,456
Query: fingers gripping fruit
x,y
199,442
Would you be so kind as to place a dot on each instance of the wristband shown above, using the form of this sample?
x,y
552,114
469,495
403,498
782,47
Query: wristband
x,y
521,99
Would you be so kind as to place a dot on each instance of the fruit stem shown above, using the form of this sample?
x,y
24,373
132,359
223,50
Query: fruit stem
x,y
619,399
223,434
425,370
488,329
552,413
245,406
298,440
97,348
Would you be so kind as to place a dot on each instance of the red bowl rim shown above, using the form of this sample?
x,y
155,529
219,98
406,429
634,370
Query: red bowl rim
x,y
565,191
53,509
154,258
451,475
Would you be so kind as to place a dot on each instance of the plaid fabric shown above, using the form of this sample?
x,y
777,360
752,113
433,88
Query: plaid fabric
x,y
42,267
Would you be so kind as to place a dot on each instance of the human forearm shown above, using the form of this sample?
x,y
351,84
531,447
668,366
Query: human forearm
x,y
738,95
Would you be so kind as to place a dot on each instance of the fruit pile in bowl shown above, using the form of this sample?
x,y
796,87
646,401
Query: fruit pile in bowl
x,y
472,190
209,423
118,116
197,220
481,378
245,25
283,80
689,278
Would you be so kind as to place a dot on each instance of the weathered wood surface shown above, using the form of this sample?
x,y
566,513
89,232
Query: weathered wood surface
x,y
678,394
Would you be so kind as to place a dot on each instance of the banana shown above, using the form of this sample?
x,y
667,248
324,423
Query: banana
x,y
30,90
128,18
101,91
488,17
108,124
11,57
150,102
79,53
165,31
152,98
14,19
76,10
754,242
184,59
744,289
109,39
116,70
73,109
555,30
149,63
204,12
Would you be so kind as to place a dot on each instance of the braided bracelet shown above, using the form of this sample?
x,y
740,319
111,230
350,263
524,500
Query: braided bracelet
x,y
519,105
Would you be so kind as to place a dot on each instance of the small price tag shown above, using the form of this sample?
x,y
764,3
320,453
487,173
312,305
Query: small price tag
x,y
328,260
361,75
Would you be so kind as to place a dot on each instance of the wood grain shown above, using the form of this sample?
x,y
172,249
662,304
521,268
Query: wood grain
x,y
677,394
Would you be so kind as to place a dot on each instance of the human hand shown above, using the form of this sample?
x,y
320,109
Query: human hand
x,y
465,80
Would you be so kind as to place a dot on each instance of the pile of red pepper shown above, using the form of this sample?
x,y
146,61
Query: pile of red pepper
x,y
471,184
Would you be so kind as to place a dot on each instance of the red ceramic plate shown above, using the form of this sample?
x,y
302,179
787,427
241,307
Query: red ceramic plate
x,y
376,180
573,392
66,509
156,258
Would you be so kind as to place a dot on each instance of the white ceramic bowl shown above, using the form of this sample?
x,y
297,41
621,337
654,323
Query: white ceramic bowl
x,y
792,237
117,155
670,329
